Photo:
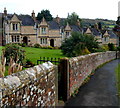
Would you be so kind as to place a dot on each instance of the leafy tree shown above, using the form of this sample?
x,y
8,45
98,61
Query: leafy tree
x,y
46,14
72,19
77,44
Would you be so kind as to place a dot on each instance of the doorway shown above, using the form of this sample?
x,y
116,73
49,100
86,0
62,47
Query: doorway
x,y
25,40
52,42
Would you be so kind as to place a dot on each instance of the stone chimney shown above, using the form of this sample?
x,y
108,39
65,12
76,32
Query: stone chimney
x,y
96,26
33,15
78,22
5,12
58,19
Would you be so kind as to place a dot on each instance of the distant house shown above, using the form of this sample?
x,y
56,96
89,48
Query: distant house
x,y
26,29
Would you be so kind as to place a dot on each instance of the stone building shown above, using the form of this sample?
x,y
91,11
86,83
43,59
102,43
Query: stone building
x,y
26,29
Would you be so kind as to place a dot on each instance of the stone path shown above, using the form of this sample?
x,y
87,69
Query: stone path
x,y
100,90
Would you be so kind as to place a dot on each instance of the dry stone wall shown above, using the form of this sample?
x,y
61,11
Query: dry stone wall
x,y
80,67
31,87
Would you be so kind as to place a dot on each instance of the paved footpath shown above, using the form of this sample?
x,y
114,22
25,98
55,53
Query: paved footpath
x,y
100,90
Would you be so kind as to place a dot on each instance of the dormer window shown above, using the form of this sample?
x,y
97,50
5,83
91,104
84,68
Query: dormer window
x,y
67,34
15,27
43,30
106,39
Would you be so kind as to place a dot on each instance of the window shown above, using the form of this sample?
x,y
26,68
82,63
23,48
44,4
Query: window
x,y
15,38
106,39
67,34
43,30
15,26
43,41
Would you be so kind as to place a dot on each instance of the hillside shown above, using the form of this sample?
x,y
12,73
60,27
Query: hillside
x,y
104,22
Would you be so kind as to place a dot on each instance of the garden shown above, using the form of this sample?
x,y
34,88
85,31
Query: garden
x,y
16,57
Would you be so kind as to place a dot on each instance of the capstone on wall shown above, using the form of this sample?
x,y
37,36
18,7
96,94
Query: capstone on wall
x,y
35,86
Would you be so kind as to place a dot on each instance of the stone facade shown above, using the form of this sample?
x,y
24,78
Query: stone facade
x,y
35,86
26,29
81,67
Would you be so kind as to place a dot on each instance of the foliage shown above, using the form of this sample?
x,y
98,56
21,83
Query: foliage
x,y
75,45
37,45
15,51
46,14
72,19
105,47
47,47
118,48
22,44
85,51
111,47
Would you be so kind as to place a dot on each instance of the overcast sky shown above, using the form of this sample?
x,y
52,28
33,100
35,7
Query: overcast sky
x,y
107,9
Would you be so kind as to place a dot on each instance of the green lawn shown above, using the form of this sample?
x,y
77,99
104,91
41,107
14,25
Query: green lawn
x,y
34,54
118,78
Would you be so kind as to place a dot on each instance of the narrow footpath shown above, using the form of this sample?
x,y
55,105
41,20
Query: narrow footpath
x,y
100,90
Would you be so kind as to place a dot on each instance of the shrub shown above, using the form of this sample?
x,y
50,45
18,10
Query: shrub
x,y
111,47
47,47
85,51
37,45
15,51
118,48
105,47
77,43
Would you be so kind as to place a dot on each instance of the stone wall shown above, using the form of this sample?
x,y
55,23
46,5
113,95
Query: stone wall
x,y
80,67
35,86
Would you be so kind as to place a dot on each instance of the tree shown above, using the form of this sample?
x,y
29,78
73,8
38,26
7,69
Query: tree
x,y
77,43
73,19
46,14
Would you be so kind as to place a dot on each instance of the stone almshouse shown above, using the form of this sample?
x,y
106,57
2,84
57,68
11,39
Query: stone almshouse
x,y
26,29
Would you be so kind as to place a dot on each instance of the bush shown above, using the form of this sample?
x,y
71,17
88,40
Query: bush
x,y
105,48
37,45
47,47
118,48
15,51
85,51
22,44
111,47
77,43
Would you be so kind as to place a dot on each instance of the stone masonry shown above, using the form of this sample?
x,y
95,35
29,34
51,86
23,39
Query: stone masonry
x,y
81,67
31,87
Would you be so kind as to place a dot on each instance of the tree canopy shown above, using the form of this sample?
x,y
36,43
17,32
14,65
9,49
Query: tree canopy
x,y
73,19
46,14
78,44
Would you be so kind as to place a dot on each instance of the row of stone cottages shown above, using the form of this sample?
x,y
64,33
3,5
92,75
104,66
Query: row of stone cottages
x,y
22,29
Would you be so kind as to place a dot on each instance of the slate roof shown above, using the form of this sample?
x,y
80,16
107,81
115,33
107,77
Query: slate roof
x,y
26,20
75,28
53,25
110,32
93,30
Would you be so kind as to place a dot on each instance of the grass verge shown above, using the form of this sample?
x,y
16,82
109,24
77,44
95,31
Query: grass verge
x,y
117,70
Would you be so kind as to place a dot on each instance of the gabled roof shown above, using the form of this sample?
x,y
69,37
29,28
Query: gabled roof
x,y
27,20
75,28
53,25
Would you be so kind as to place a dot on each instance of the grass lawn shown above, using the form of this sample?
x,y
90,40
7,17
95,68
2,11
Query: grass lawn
x,y
118,78
34,54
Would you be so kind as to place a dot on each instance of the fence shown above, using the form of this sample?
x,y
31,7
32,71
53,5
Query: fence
x,y
46,59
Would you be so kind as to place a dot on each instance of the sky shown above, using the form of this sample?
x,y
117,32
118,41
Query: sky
x,y
106,9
